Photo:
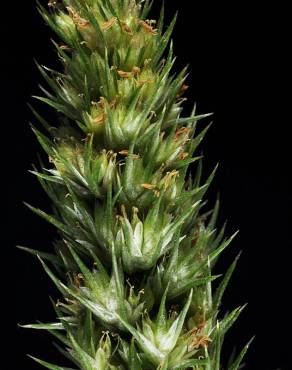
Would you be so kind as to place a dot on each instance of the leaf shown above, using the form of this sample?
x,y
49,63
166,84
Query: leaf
x,y
215,211
146,8
62,108
41,326
186,120
86,361
230,319
161,17
88,276
61,337
164,41
217,344
48,365
185,162
197,139
176,328
97,309
46,143
46,256
53,277
89,332
237,362
43,176
221,288
162,315
222,247
151,352
59,225
181,219
44,123
134,359
190,283
117,273
189,363
187,194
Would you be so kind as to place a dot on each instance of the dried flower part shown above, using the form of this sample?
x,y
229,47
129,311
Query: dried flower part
x,y
127,29
152,187
148,186
200,341
183,155
169,178
65,47
108,24
99,119
146,25
77,19
126,153
145,81
183,89
124,74
136,71
53,3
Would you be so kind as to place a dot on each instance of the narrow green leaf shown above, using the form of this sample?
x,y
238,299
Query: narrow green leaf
x,y
188,194
86,361
164,41
134,359
230,319
161,18
40,326
53,277
97,309
88,276
151,352
43,122
189,363
59,225
46,256
213,219
48,365
221,288
46,143
48,177
190,283
117,274
162,315
217,344
62,108
223,246
176,328
237,362
186,120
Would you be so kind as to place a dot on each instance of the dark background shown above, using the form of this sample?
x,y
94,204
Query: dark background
x,y
237,56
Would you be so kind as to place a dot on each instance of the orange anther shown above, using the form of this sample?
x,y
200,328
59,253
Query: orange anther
x,y
148,28
108,24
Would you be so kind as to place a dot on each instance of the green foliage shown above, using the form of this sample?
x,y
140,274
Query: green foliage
x,y
136,248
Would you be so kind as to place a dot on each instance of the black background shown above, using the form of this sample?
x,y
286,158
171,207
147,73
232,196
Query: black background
x,y
237,56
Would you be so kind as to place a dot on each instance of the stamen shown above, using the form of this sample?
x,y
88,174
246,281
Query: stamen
x,y
108,24
148,28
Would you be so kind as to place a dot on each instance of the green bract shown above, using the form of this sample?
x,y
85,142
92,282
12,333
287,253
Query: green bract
x,y
134,259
